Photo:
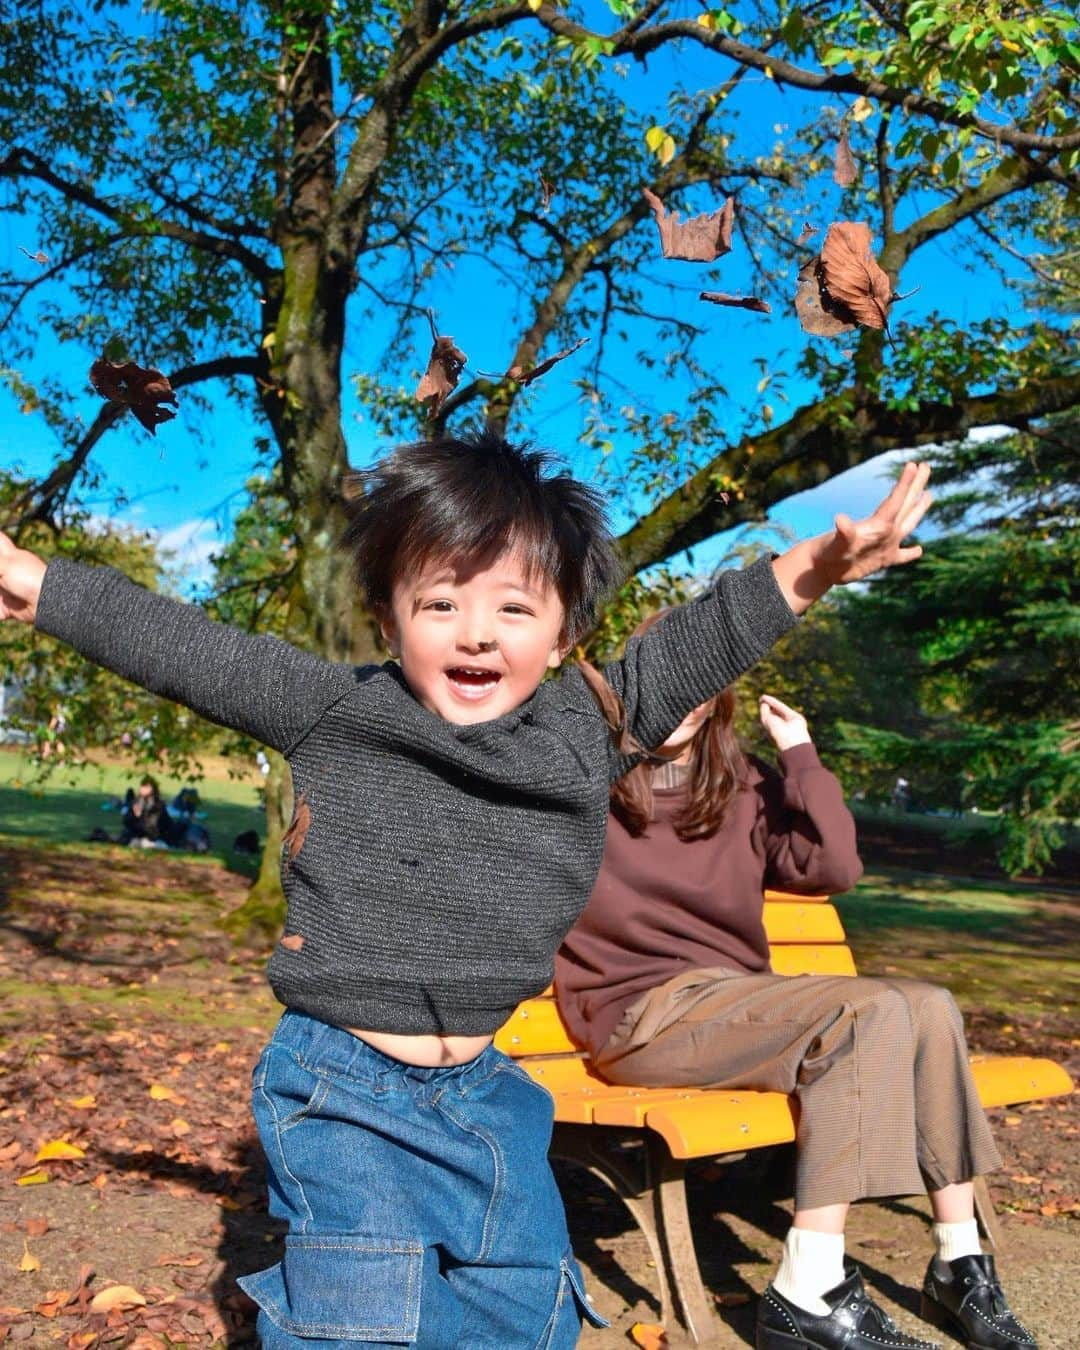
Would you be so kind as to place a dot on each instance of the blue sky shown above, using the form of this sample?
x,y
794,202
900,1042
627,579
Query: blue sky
x,y
186,484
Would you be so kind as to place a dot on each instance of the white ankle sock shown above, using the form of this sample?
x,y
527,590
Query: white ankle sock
x,y
956,1239
812,1264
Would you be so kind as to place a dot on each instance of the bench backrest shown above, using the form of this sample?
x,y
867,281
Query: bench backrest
x,y
805,936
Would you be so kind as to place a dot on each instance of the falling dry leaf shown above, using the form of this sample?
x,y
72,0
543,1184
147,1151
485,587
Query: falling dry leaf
x,y
59,1148
850,275
808,232
649,1336
699,239
810,305
844,169
546,190
737,301
29,1262
116,1296
143,391
38,257
443,372
527,376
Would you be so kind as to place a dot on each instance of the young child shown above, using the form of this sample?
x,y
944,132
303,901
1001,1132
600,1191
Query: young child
x,y
450,820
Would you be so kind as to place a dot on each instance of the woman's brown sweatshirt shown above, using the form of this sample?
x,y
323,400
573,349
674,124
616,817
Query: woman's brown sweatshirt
x,y
662,906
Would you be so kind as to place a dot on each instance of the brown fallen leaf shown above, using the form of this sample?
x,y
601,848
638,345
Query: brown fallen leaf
x,y
294,836
141,390
36,1227
116,1296
699,239
855,284
534,373
443,372
546,191
733,1300
737,301
810,305
191,1259
844,168
38,257
28,1262
81,1340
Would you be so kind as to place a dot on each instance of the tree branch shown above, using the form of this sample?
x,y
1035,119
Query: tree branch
x,y
640,43
817,442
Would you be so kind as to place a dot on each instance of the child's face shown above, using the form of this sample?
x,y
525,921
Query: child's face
x,y
475,645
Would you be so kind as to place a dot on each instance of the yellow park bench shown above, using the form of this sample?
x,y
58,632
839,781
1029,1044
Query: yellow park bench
x,y
638,1140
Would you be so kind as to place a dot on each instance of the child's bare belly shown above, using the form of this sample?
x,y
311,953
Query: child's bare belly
x,y
427,1052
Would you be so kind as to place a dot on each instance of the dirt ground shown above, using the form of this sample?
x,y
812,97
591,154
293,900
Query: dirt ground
x,y
128,1028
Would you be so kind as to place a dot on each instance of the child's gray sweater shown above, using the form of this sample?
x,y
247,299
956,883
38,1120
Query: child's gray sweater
x,y
443,864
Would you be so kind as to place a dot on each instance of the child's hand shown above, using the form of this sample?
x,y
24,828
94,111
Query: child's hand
x,y
786,727
857,548
21,573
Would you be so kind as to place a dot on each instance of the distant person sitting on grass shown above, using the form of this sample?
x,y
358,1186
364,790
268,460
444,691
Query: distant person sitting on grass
x,y
449,821
146,822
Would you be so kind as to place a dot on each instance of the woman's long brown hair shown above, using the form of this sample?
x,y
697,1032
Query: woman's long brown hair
x,y
717,772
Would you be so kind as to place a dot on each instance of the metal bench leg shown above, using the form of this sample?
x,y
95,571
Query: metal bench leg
x,y
583,1145
667,1177
986,1215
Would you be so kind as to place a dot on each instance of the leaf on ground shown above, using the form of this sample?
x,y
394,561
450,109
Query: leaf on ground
x,y
179,1126
443,372
28,1262
87,1103
142,390
81,1340
59,1149
50,1305
699,239
116,1296
38,1177
845,170
737,301
534,372
810,307
850,275
36,1227
161,1093
191,1259
877,1244
734,1300
649,1336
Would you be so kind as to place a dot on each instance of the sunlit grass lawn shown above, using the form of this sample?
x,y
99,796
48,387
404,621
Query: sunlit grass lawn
x,y
66,806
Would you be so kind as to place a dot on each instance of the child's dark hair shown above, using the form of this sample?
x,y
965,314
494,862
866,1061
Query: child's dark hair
x,y
468,499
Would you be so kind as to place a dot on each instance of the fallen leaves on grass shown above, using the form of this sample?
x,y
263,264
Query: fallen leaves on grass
x,y
700,239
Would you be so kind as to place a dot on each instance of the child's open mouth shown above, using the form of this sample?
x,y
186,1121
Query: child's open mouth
x,y
471,681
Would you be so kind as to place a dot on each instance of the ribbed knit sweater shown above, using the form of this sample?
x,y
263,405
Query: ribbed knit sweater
x,y
442,864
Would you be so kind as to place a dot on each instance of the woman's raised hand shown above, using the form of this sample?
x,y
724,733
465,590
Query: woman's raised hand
x,y
21,573
785,726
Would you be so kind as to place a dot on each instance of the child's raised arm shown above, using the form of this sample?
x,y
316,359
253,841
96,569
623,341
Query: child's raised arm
x,y
701,647
258,685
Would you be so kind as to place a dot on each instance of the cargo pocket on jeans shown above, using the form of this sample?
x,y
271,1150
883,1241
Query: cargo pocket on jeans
x,y
343,1286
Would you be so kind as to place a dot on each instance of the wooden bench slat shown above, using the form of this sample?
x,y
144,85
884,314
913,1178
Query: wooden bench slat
x,y
802,922
812,959
1008,1080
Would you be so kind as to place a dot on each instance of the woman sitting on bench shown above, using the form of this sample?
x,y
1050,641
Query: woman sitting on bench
x,y
665,979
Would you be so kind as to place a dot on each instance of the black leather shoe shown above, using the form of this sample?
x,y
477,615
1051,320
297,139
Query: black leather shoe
x,y
971,1306
853,1322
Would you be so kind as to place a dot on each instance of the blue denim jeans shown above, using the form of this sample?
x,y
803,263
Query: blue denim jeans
x,y
420,1202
